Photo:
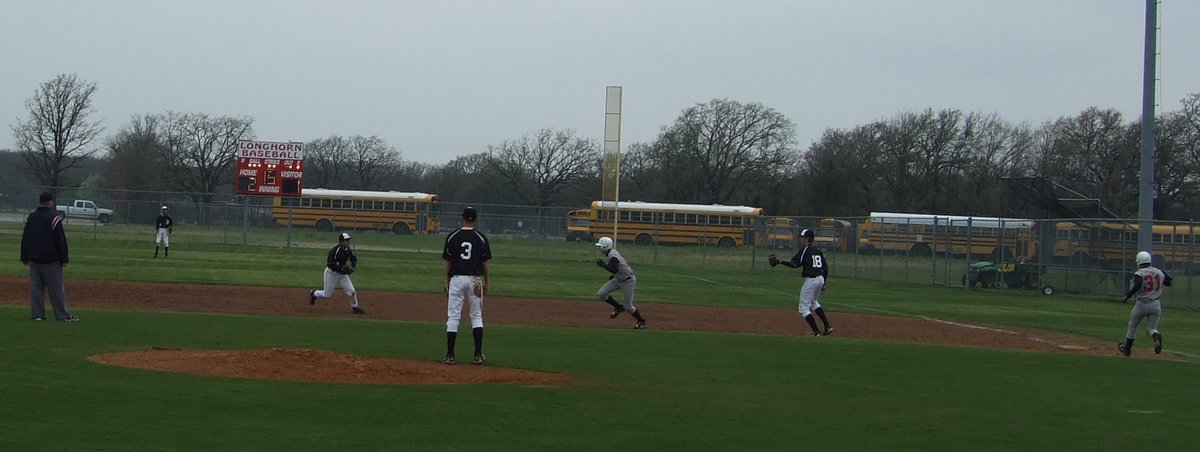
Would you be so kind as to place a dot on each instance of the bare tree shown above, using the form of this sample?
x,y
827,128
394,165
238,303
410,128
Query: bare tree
x,y
835,179
56,136
1177,162
1188,142
468,177
723,147
1095,153
638,180
325,162
199,150
369,158
134,160
539,169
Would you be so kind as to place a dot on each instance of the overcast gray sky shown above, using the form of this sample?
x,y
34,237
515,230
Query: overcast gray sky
x,y
442,79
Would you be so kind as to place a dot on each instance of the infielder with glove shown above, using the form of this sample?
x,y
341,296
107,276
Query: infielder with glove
x,y
163,227
338,266
813,266
1147,285
466,253
622,278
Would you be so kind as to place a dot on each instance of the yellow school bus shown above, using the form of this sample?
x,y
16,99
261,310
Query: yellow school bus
x,y
831,234
1087,241
782,233
327,210
923,234
646,223
577,225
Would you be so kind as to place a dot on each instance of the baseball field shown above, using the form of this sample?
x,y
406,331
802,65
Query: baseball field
x,y
216,348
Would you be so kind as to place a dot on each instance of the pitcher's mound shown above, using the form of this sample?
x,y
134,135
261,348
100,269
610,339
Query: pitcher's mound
x,y
318,366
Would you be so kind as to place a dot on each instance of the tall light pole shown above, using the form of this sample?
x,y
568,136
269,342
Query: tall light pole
x,y
1146,187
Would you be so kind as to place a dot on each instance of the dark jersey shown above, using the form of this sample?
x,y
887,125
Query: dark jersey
x,y
164,221
44,240
339,255
467,250
811,261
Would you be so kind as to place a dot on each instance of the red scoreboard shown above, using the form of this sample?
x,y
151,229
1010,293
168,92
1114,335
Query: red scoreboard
x,y
270,168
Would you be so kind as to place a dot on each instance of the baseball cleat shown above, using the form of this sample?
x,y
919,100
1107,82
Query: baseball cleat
x,y
815,334
1124,350
479,360
357,310
828,331
641,325
312,297
1157,343
39,318
449,359
616,312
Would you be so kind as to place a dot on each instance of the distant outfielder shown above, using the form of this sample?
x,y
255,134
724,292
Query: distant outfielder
x,y
622,278
815,269
338,266
1146,285
163,226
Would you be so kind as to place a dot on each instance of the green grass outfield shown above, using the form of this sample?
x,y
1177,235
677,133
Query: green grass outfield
x,y
636,390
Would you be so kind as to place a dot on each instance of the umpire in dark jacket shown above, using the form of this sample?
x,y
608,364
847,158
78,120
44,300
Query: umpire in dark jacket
x,y
44,250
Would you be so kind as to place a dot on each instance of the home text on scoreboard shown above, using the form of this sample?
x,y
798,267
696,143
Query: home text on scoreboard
x,y
270,168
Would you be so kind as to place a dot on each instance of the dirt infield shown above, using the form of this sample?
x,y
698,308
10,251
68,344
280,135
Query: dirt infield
x,y
320,366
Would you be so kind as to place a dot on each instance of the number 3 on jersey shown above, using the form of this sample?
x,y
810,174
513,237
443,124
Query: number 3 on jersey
x,y
466,254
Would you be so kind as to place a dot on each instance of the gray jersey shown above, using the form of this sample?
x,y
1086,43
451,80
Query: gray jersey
x,y
1147,284
616,264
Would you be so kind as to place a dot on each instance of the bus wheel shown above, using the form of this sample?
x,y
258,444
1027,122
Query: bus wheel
x,y
644,239
401,228
920,250
726,242
324,225
1001,254
1047,290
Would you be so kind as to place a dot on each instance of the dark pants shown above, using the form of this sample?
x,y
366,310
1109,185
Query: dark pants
x,y
43,278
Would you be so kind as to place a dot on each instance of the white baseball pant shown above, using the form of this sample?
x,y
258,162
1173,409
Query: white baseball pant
x,y
809,293
462,288
333,280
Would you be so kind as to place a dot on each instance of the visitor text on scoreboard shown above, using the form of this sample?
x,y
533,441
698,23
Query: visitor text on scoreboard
x,y
270,168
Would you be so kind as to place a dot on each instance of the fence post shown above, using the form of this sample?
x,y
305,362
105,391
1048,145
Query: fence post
x,y
245,218
289,226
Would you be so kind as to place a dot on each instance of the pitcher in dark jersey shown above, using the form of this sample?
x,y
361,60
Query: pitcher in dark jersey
x,y
466,253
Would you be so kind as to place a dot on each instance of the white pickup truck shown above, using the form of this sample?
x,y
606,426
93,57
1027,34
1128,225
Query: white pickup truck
x,y
83,208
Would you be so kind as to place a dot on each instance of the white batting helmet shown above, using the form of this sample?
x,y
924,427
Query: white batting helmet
x,y
1142,258
604,243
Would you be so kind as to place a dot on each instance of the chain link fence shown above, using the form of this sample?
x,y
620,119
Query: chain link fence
x,y
1074,258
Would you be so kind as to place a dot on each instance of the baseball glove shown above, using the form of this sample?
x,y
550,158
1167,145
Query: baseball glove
x,y
346,269
600,262
773,260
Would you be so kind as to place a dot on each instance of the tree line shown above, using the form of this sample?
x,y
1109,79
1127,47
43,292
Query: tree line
x,y
722,151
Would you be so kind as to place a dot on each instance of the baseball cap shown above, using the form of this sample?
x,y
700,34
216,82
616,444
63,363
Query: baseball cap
x,y
470,214
344,236
164,207
807,233
46,197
